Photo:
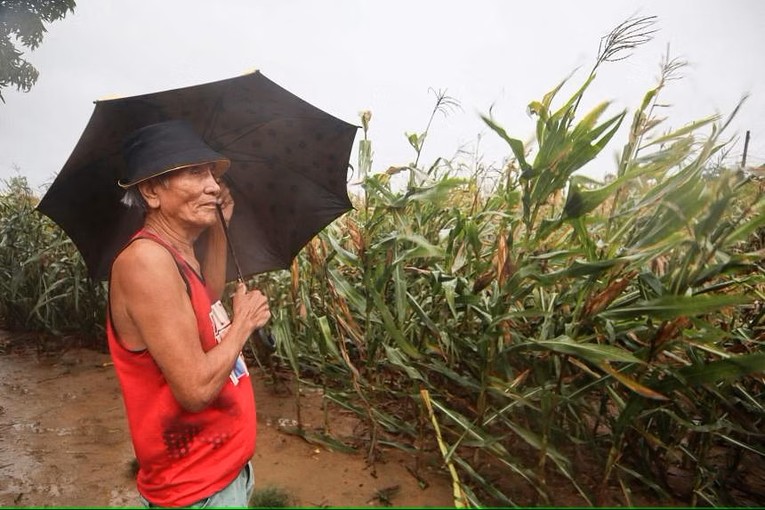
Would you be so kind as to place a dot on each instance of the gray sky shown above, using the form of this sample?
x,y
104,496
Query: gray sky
x,y
345,56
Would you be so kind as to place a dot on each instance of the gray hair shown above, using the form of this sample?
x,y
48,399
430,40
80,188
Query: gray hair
x,y
133,197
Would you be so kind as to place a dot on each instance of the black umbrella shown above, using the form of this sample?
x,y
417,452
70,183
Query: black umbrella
x,y
289,163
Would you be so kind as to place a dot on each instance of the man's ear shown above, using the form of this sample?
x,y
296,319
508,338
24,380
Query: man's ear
x,y
148,189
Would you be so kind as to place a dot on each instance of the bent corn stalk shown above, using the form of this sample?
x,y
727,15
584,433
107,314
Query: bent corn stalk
x,y
460,500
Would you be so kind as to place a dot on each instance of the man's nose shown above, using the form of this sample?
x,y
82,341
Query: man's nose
x,y
211,183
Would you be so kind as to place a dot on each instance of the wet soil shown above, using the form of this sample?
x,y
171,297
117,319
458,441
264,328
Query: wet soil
x,y
64,442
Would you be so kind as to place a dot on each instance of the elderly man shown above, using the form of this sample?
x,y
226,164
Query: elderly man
x,y
187,392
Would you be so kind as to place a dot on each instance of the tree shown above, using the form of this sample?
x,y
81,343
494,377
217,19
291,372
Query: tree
x,y
22,23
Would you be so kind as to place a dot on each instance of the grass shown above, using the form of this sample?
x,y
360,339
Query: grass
x,y
271,497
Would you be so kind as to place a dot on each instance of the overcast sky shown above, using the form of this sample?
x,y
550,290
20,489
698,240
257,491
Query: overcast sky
x,y
345,56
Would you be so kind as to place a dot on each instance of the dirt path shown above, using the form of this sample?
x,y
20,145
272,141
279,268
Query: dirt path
x,y
64,442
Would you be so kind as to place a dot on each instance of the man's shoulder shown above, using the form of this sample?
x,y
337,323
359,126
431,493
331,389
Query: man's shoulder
x,y
143,256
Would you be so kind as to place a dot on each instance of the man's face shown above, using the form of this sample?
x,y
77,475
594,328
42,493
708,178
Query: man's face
x,y
190,195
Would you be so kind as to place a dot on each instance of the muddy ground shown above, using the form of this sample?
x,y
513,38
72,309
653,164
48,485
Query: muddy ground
x,y
64,442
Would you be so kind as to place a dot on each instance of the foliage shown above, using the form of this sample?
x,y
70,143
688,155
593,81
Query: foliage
x,y
23,22
552,322
44,284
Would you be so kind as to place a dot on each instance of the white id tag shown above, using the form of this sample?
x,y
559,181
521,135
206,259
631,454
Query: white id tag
x,y
221,322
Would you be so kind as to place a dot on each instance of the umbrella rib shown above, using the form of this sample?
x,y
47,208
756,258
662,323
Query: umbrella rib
x,y
242,134
213,117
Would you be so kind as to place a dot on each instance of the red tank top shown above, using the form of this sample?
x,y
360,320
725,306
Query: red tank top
x,y
183,456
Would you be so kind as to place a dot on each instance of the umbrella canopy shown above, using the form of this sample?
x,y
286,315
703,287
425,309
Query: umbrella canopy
x,y
288,175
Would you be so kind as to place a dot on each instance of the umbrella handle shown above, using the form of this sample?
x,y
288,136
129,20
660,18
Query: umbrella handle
x,y
228,242
267,339
264,335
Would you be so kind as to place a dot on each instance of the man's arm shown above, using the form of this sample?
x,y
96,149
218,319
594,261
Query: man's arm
x,y
215,250
214,261
153,295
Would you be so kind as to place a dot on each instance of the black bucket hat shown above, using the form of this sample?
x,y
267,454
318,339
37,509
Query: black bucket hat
x,y
164,147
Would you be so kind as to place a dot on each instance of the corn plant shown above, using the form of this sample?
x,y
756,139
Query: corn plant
x,y
45,285
555,321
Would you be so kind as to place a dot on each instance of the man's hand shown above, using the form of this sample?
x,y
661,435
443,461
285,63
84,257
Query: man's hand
x,y
226,201
250,307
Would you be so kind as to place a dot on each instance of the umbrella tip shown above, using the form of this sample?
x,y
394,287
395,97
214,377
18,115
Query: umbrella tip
x,y
251,70
109,97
